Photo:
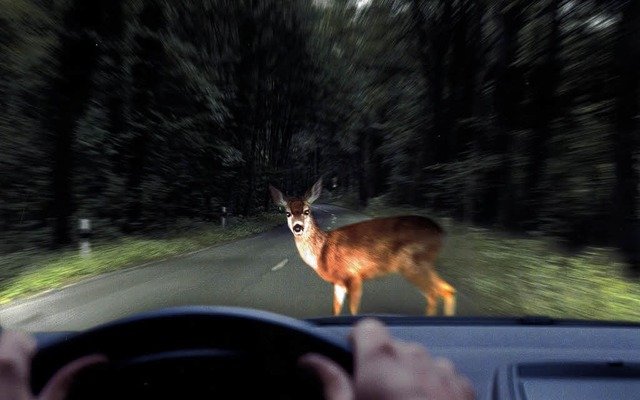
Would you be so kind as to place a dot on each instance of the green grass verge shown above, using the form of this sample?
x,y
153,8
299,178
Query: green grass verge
x,y
30,273
503,275
500,274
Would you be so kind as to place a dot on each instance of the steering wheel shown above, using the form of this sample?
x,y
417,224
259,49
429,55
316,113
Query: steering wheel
x,y
194,352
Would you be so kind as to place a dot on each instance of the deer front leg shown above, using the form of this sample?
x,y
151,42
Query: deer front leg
x,y
355,293
339,293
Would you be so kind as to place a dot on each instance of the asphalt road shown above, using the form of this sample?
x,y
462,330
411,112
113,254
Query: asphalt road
x,y
263,271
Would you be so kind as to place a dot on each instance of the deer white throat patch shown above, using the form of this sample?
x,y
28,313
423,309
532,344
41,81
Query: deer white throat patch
x,y
308,253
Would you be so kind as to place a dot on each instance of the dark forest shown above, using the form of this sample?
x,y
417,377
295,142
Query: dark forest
x,y
514,114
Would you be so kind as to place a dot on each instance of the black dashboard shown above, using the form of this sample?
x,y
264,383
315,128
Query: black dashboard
x,y
521,359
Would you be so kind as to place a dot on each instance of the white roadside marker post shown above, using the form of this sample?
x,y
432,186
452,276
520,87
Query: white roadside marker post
x,y
85,234
224,217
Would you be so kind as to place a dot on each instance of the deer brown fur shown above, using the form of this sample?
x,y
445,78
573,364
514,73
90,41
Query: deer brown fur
x,y
347,256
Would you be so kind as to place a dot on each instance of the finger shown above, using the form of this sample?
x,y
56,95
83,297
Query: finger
x,y
445,366
58,387
414,352
443,379
22,342
465,388
336,382
370,337
16,351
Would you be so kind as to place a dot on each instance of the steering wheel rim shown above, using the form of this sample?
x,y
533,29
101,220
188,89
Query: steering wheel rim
x,y
270,342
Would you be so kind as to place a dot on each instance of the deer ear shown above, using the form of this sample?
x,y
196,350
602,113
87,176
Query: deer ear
x,y
277,197
313,193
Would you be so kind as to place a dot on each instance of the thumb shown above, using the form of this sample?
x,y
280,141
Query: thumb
x,y
336,382
58,387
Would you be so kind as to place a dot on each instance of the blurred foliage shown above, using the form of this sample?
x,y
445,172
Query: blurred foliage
x,y
134,114
516,114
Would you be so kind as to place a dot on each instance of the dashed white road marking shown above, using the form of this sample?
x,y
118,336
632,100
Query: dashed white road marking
x,y
280,264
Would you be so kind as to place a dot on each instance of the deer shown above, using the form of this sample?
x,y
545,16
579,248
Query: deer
x,y
349,255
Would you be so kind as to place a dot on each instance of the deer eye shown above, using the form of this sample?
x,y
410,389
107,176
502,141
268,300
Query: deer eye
x,y
288,214
306,212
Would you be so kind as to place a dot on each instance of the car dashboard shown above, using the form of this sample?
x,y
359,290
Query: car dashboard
x,y
528,358
516,358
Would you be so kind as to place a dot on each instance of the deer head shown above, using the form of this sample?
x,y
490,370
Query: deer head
x,y
298,210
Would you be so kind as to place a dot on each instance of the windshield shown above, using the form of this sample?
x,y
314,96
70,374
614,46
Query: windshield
x,y
139,140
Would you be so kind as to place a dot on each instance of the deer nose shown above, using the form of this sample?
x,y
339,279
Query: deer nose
x,y
297,228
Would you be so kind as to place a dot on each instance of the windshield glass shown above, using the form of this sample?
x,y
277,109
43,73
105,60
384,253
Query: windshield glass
x,y
139,140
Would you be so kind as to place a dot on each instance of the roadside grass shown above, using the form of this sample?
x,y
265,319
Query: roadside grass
x,y
499,274
32,272
505,275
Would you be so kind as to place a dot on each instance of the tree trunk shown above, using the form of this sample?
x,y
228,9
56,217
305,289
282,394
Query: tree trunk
x,y
70,95
625,225
508,99
544,80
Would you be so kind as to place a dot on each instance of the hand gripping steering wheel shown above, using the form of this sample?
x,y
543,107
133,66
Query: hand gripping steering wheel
x,y
194,352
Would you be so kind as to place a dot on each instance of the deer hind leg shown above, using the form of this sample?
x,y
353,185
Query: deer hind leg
x,y
433,287
424,281
355,294
448,294
339,293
